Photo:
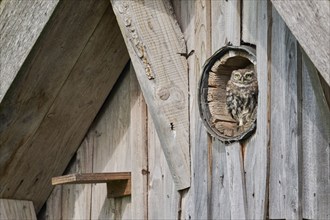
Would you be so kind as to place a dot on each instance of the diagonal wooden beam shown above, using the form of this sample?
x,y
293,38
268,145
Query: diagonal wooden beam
x,y
21,23
309,23
56,96
154,41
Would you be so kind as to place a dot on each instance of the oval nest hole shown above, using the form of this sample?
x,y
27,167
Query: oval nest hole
x,y
212,96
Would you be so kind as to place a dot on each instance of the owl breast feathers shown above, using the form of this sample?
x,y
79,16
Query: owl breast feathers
x,y
242,95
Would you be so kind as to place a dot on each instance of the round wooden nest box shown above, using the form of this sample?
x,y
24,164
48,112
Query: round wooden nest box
x,y
212,93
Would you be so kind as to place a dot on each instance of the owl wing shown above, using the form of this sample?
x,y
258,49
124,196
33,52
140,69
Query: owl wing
x,y
233,100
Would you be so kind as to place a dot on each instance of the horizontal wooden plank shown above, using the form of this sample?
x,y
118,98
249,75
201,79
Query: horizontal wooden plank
x,y
79,178
54,127
16,209
309,23
21,23
154,41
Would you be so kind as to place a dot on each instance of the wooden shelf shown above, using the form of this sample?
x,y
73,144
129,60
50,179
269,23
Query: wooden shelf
x,y
118,184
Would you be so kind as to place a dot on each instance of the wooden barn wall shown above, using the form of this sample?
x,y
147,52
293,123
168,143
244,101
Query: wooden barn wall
x,y
281,172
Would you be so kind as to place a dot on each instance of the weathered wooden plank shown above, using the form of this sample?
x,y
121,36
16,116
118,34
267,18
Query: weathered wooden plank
x,y
134,128
154,41
235,171
139,148
53,133
83,178
226,21
44,72
52,209
313,16
111,136
16,209
198,34
186,14
249,21
315,145
284,199
21,23
256,162
220,206
76,199
163,198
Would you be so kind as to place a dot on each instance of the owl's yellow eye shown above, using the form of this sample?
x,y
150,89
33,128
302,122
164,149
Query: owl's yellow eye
x,y
248,75
237,75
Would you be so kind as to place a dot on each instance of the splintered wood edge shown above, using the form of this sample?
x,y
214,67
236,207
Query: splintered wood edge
x,y
82,178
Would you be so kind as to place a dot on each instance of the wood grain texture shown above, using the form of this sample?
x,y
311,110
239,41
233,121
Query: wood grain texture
x,y
236,181
284,198
154,41
256,163
226,21
195,202
192,16
21,23
315,145
226,27
250,21
44,72
16,209
111,138
76,199
83,178
313,16
163,198
53,127
220,206
52,208
118,132
139,148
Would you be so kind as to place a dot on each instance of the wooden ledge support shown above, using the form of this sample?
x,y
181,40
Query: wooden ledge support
x,y
118,184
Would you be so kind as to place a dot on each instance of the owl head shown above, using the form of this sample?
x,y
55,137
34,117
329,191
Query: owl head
x,y
243,76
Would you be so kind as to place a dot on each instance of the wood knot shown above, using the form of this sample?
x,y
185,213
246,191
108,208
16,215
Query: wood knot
x,y
163,94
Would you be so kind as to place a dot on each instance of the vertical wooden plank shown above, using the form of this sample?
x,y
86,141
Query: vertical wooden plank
x,y
197,199
256,163
112,150
236,180
316,145
163,199
220,206
225,21
76,198
139,149
186,16
250,20
284,201
17,209
53,207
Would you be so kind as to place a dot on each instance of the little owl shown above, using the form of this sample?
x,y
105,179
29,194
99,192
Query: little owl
x,y
242,95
